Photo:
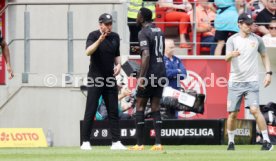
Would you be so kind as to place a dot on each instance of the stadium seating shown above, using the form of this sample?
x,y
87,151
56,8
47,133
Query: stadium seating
x,y
160,19
199,50
160,22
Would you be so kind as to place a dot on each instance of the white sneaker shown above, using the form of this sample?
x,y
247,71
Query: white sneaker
x,y
118,146
86,145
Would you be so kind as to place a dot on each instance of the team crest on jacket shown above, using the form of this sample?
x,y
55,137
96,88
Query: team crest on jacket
x,y
253,44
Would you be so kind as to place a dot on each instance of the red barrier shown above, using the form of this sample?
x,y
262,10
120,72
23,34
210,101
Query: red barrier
x,y
2,61
214,73
209,77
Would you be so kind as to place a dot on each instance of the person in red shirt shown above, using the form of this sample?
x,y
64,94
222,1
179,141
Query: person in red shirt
x,y
205,17
177,12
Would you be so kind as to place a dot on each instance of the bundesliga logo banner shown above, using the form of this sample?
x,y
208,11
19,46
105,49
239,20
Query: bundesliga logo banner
x,y
174,132
245,132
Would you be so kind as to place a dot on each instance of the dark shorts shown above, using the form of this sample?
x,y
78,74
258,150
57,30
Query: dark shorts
x,y
223,35
150,92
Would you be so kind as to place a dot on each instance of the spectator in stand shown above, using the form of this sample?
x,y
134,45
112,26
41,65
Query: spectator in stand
x,y
175,70
178,13
205,16
226,22
253,6
270,39
265,16
102,113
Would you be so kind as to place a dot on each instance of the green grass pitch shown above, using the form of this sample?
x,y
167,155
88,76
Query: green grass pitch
x,y
173,153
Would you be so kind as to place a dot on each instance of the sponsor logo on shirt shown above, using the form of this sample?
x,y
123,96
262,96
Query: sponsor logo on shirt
x,y
253,44
155,29
143,43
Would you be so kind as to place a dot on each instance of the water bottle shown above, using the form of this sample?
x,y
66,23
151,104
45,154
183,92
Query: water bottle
x,y
49,138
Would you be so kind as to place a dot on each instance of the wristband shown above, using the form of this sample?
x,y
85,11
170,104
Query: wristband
x,y
270,72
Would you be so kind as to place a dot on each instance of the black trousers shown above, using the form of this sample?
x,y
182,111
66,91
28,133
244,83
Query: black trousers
x,y
110,96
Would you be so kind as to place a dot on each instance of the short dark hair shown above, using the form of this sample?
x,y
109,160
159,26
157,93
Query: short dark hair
x,y
146,14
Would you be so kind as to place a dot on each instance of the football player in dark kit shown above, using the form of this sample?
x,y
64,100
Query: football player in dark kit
x,y
149,84
103,47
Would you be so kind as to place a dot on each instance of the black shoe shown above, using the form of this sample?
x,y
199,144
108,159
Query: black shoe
x,y
231,146
267,146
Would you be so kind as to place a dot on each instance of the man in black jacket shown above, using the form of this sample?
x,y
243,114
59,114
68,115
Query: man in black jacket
x,y
103,47
265,16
